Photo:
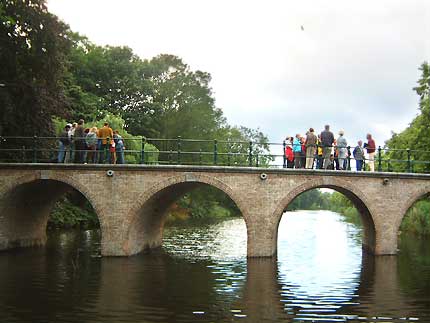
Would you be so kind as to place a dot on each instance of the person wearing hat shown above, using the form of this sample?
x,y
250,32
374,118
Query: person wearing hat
x,y
64,143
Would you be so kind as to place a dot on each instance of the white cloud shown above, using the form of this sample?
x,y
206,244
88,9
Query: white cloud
x,y
353,66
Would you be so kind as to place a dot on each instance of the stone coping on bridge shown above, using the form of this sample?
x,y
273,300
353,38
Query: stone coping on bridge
x,y
211,169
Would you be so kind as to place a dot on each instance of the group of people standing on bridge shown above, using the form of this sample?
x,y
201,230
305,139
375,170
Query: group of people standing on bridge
x,y
324,151
81,145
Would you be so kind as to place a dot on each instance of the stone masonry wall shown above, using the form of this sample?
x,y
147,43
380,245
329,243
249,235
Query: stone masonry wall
x,y
131,203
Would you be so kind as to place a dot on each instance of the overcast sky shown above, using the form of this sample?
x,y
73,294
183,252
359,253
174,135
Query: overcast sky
x,y
353,66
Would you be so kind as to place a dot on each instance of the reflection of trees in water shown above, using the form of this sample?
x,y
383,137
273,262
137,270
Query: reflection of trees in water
x,y
413,267
45,284
166,288
42,285
380,293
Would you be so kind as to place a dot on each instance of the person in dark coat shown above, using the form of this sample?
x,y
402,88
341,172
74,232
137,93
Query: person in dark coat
x,y
79,139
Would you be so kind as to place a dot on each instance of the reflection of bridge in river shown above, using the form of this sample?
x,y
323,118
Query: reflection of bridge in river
x,y
264,298
378,295
145,288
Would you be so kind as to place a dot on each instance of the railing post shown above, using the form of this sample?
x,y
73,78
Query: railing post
x,y
215,152
379,159
178,149
349,158
256,160
409,160
250,154
284,164
23,154
35,149
200,156
142,151
170,156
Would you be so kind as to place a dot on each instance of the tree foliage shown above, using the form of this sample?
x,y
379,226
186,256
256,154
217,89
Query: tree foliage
x,y
34,45
50,74
415,137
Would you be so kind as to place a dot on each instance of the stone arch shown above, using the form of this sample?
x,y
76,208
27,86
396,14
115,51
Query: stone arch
x,y
25,205
355,195
146,220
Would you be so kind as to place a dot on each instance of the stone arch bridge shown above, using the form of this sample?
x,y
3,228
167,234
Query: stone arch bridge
x,y
131,201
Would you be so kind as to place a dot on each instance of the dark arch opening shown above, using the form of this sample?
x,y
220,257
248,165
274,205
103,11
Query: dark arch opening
x,y
26,209
147,227
368,232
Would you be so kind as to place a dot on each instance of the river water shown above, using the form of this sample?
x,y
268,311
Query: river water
x,y
202,275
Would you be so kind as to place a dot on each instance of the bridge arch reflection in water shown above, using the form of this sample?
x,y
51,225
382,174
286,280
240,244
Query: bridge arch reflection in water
x,y
269,289
171,286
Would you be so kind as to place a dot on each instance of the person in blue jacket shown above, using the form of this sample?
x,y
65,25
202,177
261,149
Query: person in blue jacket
x,y
297,150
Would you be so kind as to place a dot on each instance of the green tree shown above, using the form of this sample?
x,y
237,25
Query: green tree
x,y
33,50
180,100
111,79
414,137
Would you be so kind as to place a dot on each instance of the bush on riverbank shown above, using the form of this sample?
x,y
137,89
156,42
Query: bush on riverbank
x,y
417,219
203,204
178,215
318,200
72,212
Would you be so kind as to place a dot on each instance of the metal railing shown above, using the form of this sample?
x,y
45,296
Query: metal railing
x,y
180,151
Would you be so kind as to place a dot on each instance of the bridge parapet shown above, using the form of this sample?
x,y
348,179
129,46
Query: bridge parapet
x,y
197,152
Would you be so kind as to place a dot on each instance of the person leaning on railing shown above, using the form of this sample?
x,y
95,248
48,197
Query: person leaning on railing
x,y
104,133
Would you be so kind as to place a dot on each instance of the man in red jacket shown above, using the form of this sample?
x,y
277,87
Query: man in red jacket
x,y
371,148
